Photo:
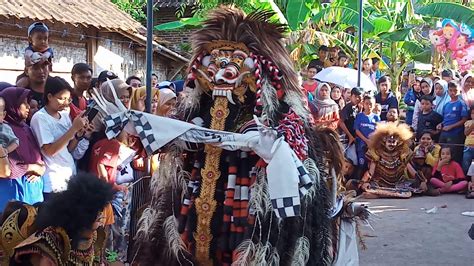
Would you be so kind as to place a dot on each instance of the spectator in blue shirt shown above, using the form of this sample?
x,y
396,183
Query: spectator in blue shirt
x,y
385,97
364,125
455,114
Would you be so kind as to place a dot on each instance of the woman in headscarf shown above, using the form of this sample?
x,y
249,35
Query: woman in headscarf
x,y
137,101
27,168
442,97
166,103
325,110
467,85
426,85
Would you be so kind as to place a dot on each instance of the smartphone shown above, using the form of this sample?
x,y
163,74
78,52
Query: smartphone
x,y
91,112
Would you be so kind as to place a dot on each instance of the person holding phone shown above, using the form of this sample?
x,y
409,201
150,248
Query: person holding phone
x,y
61,140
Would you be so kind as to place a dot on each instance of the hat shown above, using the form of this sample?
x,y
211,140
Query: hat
x,y
166,85
106,74
37,25
419,154
357,91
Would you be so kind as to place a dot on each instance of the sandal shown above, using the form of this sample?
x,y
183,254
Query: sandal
x,y
470,191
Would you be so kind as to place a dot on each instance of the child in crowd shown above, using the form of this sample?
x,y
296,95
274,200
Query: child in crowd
x,y
8,141
392,115
336,95
377,109
431,149
38,48
346,122
421,172
468,154
348,169
364,125
427,119
447,174
413,94
454,116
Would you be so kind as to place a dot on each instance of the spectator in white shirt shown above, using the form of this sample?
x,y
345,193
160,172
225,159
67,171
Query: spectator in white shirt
x,y
61,141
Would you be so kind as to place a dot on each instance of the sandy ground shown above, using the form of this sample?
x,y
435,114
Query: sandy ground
x,y
406,235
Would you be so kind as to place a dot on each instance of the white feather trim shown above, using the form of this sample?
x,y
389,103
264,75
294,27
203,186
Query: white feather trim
x,y
301,252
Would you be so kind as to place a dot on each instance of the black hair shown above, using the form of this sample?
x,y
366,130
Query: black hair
x,y
75,209
375,60
323,48
80,68
428,98
343,55
447,73
369,97
427,132
367,59
384,78
55,85
453,84
153,74
129,79
38,28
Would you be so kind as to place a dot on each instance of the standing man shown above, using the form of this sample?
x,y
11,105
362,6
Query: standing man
x,y
34,78
81,75
322,54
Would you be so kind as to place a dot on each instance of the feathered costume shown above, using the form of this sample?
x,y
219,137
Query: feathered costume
x,y
244,182
240,69
389,155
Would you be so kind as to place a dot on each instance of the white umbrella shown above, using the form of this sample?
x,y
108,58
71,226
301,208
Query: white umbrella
x,y
345,77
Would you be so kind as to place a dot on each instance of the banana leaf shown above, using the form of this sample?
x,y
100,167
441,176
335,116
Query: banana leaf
x,y
454,11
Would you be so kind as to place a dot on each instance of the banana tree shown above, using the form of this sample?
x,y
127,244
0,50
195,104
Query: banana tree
x,y
390,29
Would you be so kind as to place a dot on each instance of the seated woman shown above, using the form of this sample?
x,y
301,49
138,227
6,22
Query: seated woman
x,y
447,174
389,158
325,110
431,149
66,226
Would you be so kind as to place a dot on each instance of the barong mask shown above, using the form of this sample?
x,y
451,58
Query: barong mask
x,y
226,70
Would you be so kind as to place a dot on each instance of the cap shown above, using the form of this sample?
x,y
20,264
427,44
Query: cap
x,y
166,85
106,74
357,91
419,154
37,25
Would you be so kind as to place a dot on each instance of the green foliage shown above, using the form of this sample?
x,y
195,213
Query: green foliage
x,y
135,8
453,11
343,15
297,11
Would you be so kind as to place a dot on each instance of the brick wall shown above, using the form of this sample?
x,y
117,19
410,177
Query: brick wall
x,y
175,39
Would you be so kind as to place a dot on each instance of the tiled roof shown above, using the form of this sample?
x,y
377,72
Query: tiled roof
x,y
101,14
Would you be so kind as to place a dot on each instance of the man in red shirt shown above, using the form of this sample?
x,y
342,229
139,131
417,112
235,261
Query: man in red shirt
x,y
81,75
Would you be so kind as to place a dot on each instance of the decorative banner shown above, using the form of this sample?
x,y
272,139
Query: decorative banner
x,y
457,39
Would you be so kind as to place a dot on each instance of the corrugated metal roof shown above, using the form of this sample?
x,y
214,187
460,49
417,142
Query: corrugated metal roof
x,y
101,14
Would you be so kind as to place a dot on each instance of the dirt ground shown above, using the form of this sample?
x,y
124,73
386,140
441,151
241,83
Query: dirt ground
x,y
406,235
